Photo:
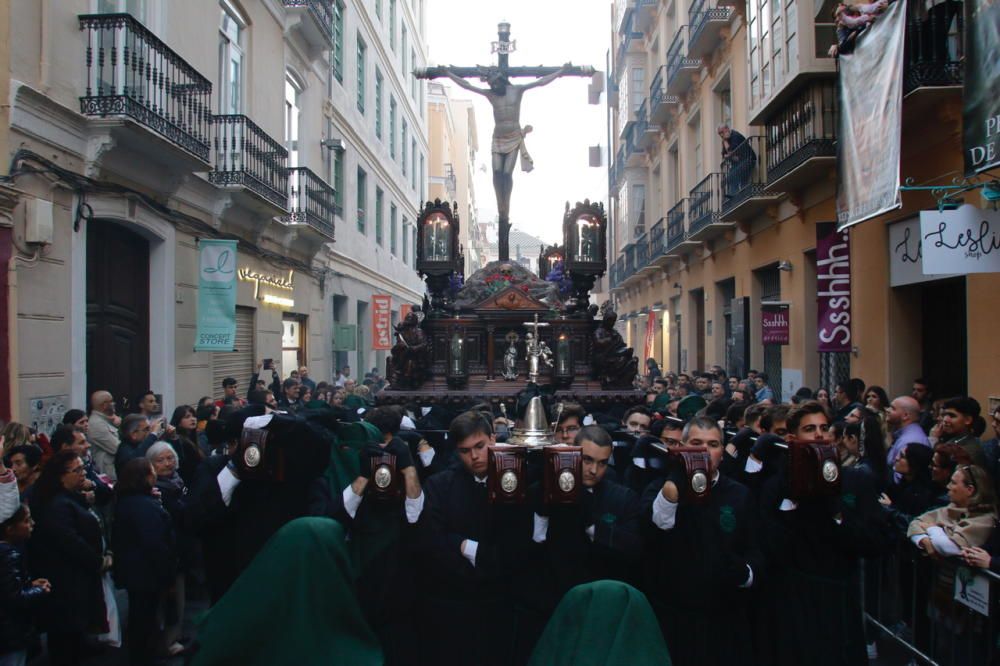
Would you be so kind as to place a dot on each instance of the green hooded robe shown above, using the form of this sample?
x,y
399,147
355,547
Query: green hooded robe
x,y
602,623
294,604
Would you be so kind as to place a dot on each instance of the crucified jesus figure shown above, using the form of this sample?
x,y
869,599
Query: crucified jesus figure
x,y
508,135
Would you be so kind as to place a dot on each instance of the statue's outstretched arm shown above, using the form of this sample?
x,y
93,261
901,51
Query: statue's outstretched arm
x,y
459,81
548,78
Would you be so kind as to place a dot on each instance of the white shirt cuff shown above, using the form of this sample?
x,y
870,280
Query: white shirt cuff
x,y
753,466
749,581
664,512
470,550
788,505
590,532
426,457
541,530
942,543
639,462
917,538
227,484
351,501
413,507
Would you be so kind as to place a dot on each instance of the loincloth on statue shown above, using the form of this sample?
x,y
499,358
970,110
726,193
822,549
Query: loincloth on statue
x,y
508,142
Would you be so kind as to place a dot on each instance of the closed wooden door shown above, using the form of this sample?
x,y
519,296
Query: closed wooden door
x,y
118,312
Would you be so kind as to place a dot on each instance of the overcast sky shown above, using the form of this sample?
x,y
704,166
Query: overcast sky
x,y
548,32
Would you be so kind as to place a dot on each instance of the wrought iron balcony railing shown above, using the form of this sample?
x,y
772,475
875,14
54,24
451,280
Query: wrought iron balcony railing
x,y
675,226
311,201
805,127
705,203
744,173
657,238
641,253
322,13
935,46
700,15
130,72
246,155
629,262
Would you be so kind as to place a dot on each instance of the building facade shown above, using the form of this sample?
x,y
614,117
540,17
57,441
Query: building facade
x,y
452,135
139,128
704,244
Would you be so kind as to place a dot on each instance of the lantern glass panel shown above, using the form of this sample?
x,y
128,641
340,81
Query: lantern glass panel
x,y
437,238
457,355
587,249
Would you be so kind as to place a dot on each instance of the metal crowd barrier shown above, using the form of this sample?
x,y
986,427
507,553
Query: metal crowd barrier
x,y
935,612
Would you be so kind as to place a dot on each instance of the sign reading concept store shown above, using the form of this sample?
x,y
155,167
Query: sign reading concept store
x,y
216,328
381,322
961,241
981,92
774,322
833,288
281,282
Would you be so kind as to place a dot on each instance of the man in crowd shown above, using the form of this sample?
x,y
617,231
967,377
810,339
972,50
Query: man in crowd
x,y
597,538
229,394
149,406
96,492
702,558
345,372
570,422
845,399
137,436
289,400
764,392
305,380
636,420
904,420
479,563
921,392
104,432
958,418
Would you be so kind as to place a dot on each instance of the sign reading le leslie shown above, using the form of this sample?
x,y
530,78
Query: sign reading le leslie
x,y
966,240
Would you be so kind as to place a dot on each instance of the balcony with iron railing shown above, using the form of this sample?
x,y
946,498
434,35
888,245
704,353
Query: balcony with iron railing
x,y
249,160
315,20
706,23
634,153
935,47
744,175
642,264
630,39
657,241
645,13
676,242
629,266
615,273
660,103
312,203
681,68
802,138
705,208
132,74
646,133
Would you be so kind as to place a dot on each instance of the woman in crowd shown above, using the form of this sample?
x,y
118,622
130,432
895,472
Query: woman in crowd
x,y
144,549
78,419
20,597
26,462
16,434
876,399
68,550
861,445
204,414
822,396
189,454
943,463
652,369
966,522
914,494
174,497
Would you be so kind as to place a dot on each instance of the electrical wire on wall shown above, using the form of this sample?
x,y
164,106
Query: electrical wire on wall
x,y
27,162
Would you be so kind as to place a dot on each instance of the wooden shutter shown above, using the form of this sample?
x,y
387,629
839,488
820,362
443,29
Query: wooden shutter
x,y
240,363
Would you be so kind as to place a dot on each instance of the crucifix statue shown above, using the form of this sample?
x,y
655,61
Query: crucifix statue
x,y
505,97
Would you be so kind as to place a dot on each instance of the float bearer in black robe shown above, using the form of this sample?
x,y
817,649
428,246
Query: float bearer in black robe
x,y
478,563
382,532
812,606
702,559
597,538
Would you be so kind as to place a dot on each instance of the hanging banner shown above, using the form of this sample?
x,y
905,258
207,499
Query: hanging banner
x,y
650,336
774,323
216,329
381,322
833,289
871,105
961,241
981,92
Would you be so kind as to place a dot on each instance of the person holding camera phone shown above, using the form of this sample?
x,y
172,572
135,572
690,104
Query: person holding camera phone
x,y
704,556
